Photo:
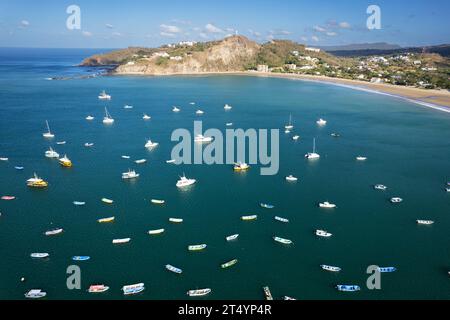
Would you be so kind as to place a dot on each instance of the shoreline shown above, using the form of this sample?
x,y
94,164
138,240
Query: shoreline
x,y
431,98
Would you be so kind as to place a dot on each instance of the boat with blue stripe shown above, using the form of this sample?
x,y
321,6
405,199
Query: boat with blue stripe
x,y
267,206
347,288
387,269
80,258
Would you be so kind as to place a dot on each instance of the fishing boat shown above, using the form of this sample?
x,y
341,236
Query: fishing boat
x,y
327,205
232,237
241,166
53,232
48,134
65,162
20,168
361,158
176,220
330,268
347,288
131,174
296,137
125,157
133,289
146,117
202,139
284,220
121,241
79,203
107,119
35,294
229,263
321,122
282,240
323,233
104,96
176,109
185,182
249,218
198,292
199,112
291,178
140,161
267,293
39,255
80,258
50,153
156,201
150,144
227,107
380,187
171,161
313,155
108,201
173,269
106,220
36,182
60,142
89,118
127,106
387,269
98,288
288,298
425,222
267,206
8,198
396,200
197,247
157,231
89,144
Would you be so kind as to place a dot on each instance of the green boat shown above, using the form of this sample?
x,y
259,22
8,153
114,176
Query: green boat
x,y
229,263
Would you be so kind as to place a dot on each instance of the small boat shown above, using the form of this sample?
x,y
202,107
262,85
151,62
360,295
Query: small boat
x,y
241,166
229,263
447,189
176,220
313,155
198,292
282,240
267,293
296,137
321,122
171,161
380,187
108,201
327,205
38,255
104,96
19,168
249,218
90,118
227,107
199,112
284,220
146,117
288,298
232,237
157,231
131,174
107,119
65,162
127,106
36,182
202,138
387,269
48,134
106,220
291,178
121,241
361,158
330,268
156,201
173,269
335,135
192,103
347,288
4,159
79,203
8,198
80,258
289,126
185,182
323,233
35,294
267,206
176,109
88,144
150,144
60,142
140,161
125,157
197,247
98,288
425,222
133,288
50,153
396,200
229,124
53,232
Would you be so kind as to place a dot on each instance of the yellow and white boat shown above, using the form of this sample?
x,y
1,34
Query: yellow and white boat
x,y
65,162
241,166
156,201
106,220
37,182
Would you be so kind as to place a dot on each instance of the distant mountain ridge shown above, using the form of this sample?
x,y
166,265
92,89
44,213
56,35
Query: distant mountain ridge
x,y
362,46
362,51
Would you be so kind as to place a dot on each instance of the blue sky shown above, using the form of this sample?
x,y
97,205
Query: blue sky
x,y
115,24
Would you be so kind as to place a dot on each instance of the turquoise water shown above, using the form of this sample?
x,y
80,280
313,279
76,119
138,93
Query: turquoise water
x,y
408,149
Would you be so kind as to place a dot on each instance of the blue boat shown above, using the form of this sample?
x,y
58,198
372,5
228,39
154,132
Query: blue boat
x,y
387,269
348,288
267,206
18,168
80,258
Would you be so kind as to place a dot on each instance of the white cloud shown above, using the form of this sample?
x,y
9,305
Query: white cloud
x,y
314,38
24,23
108,25
116,34
203,35
254,33
170,29
344,25
279,32
304,39
213,29
167,34
87,34
331,34
319,29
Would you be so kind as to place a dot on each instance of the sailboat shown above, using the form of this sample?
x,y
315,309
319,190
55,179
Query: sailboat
x,y
289,126
107,119
48,134
313,155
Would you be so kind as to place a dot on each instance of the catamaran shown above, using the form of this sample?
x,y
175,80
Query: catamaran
x,y
232,237
48,134
323,233
50,153
229,263
425,222
104,96
36,182
185,182
291,178
173,269
98,288
321,122
65,162
282,240
202,138
133,288
131,174
156,231
53,232
198,292
313,155
330,268
146,117
39,255
227,107
241,166
289,126
150,144
327,205
107,119
35,294
197,247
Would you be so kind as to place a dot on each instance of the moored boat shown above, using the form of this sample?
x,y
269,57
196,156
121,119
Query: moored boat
x,y
173,269
98,288
157,201
361,158
267,206
291,178
48,134
107,119
79,203
185,182
323,233
89,118
146,117
425,222
330,268
107,201
140,161
381,187
347,288
39,255
288,298
249,218
267,293
232,237
8,198
130,174
284,220
197,247
121,241
282,240
19,168
313,155
176,220
229,264
227,107
327,205
241,166
35,294
396,200
387,269
156,231
53,232
198,292
80,258
133,288
106,220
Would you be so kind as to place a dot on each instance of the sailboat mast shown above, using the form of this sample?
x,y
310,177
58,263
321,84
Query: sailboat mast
x,y
314,145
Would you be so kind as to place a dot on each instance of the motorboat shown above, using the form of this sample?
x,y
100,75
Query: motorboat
x,y
150,144
36,182
229,263
156,231
296,137
89,144
361,158
140,161
60,142
185,182
50,153
198,292
8,198
171,161
104,96
127,106
121,241
173,269
133,289
175,220
323,233
98,288
282,240
330,268
291,178
19,168
157,201
387,269
396,200
227,107
313,155
125,157
321,122
106,220
335,135
232,237
107,201
327,205
90,118
39,255
241,166
199,112
79,203
53,232
425,222
35,294
131,174
197,247
249,218
229,124
48,134
284,220
81,258
176,109
146,117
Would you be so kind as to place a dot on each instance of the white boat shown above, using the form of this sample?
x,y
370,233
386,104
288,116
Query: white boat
x,y
425,222
133,288
146,117
39,255
48,134
171,161
361,158
50,153
282,240
380,187
104,96
313,155
291,178
79,203
241,166
150,144
127,106
232,237
321,122
198,292
197,247
53,232
447,189
284,220
125,157
288,298
140,161
90,118
173,269
330,268
120,241
267,293
192,103
156,231
323,233
176,109
202,138
107,119
199,112
35,294
98,288
89,144
229,124
61,142
156,201
289,126
106,220
131,174
295,138
287,131
396,200
249,218
4,159
185,182
227,107
108,201
327,205
176,220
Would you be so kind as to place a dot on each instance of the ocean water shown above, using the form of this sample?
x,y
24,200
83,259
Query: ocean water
x,y
407,145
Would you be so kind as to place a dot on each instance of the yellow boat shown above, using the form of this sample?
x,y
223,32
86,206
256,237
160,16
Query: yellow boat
x,y
65,162
241,166
37,182
106,220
